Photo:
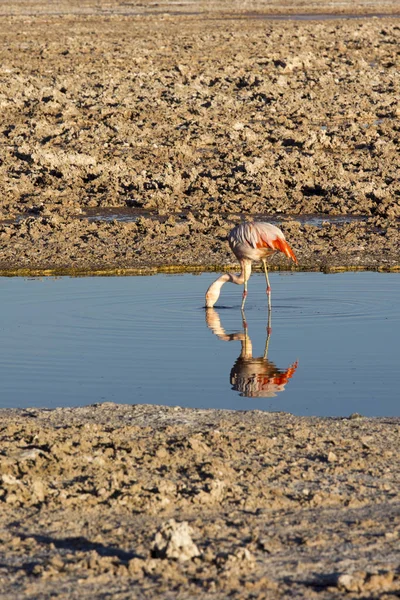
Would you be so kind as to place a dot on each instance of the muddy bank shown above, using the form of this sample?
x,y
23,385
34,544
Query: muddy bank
x,y
197,503
148,244
194,119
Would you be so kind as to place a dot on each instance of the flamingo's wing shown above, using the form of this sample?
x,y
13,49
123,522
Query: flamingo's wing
x,y
255,235
269,236
260,235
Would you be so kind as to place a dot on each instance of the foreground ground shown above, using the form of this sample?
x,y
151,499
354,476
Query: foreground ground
x,y
188,117
262,505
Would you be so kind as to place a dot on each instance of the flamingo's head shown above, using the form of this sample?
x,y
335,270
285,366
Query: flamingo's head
x,y
212,294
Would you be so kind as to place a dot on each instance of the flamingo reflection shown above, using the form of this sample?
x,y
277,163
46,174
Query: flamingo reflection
x,y
254,377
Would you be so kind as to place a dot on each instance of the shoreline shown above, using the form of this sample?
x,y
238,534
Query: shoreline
x,y
179,269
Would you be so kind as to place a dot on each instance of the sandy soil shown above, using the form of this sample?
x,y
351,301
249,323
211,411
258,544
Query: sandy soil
x,y
147,502
190,120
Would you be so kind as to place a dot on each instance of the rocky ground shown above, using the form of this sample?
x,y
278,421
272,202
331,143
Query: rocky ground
x,y
186,121
152,502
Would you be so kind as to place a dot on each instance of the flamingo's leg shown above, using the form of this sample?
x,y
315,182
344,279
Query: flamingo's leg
x,y
244,294
244,321
269,330
268,284
246,341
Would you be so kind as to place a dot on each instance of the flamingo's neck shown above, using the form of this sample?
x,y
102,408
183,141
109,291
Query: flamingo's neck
x,y
214,290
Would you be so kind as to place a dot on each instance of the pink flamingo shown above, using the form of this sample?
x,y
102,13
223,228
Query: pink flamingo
x,y
248,242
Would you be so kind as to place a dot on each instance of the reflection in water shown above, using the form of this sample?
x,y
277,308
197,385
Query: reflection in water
x,y
252,377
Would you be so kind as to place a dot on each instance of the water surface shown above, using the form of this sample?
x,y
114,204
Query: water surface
x,y
333,349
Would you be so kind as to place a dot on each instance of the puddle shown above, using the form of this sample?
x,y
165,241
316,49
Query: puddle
x,y
131,215
319,220
313,16
123,214
77,341
183,9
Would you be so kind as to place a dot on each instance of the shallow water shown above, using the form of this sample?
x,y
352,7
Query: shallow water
x,y
127,215
333,349
185,10
316,16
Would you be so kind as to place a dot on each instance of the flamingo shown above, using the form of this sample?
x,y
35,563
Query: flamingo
x,y
248,242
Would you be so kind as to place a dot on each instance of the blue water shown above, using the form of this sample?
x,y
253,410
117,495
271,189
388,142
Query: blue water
x,y
333,350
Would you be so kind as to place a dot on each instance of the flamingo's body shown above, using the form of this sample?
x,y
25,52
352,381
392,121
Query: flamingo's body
x,y
249,242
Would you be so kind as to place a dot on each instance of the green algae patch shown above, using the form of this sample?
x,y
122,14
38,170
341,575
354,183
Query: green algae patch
x,y
177,269
110,271
380,269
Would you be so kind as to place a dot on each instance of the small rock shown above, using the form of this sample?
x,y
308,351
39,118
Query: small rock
x,y
243,554
354,416
38,490
173,540
57,563
10,479
379,581
135,566
31,454
351,582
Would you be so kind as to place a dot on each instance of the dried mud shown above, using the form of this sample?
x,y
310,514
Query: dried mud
x,y
191,122
117,501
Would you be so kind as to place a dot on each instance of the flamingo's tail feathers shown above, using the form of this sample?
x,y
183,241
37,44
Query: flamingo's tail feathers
x,y
283,246
284,377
